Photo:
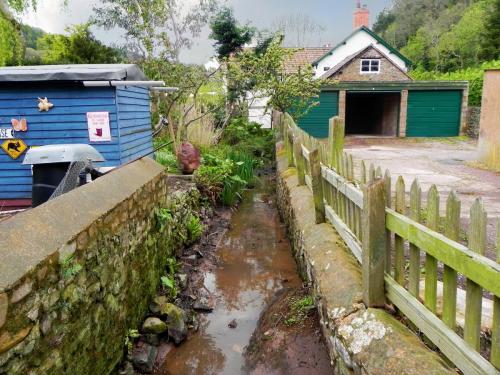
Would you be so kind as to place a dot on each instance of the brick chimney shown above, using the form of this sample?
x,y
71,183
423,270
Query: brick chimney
x,y
361,15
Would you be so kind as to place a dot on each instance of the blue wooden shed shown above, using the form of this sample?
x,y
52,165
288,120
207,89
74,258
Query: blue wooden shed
x,y
76,97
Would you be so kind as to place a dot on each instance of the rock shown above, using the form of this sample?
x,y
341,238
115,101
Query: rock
x,y
232,324
143,357
156,305
154,325
182,278
151,339
4,306
203,304
128,369
176,322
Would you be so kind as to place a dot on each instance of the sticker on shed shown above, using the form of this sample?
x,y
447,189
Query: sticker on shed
x,y
14,147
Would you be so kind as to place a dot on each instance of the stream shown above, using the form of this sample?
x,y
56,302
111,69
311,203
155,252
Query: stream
x,y
252,285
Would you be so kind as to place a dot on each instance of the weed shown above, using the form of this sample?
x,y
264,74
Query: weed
x,y
299,310
163,217
168,283
69,268
195,228
132,334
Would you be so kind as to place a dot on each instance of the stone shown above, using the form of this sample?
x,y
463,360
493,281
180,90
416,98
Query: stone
x,y
4,308
176,322
8,341
151,339
203,304
154,325
33,314
143,357
128,369
22,291
233,324
182,278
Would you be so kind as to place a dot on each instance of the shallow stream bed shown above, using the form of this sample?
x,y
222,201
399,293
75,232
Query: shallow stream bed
x,y
253,284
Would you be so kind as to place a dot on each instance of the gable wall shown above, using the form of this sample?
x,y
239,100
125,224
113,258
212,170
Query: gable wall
x,y
388,70
356,43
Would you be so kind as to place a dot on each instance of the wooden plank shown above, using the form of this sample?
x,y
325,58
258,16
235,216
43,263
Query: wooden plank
x,y
451,345
289,147
305,153
316,185
363,172
374,244
299,161
344,232
495,334
371,173
399,255
431,275
476,267
308,181
340,183
388,235
473,300
452,231
414,268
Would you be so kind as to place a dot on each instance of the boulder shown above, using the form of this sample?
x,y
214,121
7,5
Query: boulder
x,y
176,322
143,357
154,325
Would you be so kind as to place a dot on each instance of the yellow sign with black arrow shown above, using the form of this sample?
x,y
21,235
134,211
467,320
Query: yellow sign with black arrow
x,y
14,147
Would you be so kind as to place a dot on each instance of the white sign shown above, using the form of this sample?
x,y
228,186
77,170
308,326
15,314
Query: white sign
x,y
98,123
6,133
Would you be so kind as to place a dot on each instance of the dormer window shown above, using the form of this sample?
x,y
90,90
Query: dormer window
x,y
370,66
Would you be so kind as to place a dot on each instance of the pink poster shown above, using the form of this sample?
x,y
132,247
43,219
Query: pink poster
x,y
98,123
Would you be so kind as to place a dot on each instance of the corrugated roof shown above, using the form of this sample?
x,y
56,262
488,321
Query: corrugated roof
x,y
77,72
303,57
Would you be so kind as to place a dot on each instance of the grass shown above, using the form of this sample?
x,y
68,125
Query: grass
x,y
299,309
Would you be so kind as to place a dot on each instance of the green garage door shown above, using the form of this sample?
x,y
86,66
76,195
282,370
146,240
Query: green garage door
x,y
434,113
316,121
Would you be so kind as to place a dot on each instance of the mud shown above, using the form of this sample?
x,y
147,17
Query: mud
x,y
244,270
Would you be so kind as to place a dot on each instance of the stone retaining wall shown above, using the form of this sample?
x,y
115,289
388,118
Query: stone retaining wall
x,y
473,117
360,340
77,272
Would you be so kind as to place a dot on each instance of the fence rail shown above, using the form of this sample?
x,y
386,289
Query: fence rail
x,y
402,244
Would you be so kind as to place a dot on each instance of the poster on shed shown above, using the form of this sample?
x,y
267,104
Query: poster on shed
x,y
98,123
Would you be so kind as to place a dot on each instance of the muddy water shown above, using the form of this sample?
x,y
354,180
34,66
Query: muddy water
x,y
255,266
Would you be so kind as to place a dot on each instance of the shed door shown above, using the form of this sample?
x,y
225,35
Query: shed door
x,y
434,113
316,121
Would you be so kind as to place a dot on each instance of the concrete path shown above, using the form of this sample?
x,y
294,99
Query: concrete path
x,y
448,163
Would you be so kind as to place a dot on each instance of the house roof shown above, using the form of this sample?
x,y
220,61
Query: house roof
x,y
377,38
348,59
303,57
77,72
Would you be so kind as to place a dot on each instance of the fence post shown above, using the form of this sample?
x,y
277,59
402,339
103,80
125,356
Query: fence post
x,y
317,186
374,244
336,134
289,147
299,161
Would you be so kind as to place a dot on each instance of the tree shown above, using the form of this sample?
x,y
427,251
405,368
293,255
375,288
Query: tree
x,y
155,28
263,75
11,43
228,35
300,30
79,47
490,45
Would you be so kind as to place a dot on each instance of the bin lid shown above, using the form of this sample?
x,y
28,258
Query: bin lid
x,y
62,154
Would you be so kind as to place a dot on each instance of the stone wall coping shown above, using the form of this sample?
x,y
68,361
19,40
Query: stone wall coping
x,y
30,237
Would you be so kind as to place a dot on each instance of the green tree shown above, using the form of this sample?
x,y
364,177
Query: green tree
x,y
79,47
11,43
228,35
155,28
490,46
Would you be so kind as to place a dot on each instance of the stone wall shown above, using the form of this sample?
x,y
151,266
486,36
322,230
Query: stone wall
x,y
472,119
79,271
360,340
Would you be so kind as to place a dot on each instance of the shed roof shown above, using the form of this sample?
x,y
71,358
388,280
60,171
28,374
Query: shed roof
x,y
76,72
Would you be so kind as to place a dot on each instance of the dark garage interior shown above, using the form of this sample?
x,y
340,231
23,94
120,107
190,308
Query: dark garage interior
x,y
372,113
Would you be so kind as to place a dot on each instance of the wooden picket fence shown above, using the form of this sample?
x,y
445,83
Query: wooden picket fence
x,y
394,245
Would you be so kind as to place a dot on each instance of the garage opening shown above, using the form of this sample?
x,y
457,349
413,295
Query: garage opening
x,y
372,113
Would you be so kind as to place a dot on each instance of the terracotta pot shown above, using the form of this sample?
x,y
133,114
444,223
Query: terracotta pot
x,y
189,158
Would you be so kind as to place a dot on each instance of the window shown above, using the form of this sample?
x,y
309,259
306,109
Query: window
x,y
370,66
326,68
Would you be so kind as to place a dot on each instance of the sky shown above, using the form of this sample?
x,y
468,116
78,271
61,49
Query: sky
x,y
336,16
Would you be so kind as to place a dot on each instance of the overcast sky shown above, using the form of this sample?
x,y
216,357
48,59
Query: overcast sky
x,y
334,15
